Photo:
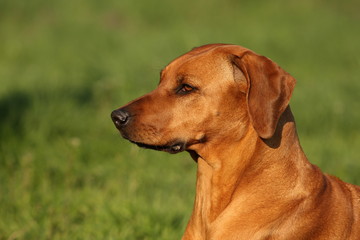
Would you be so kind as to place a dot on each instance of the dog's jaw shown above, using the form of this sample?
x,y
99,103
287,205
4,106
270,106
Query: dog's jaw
x,y
175,147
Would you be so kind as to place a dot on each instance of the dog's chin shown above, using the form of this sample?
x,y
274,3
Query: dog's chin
x,y
174,147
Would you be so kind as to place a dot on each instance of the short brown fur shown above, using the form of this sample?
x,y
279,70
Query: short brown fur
x,y
229,108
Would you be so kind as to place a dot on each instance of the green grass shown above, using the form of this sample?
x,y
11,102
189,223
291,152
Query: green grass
x,y
65,65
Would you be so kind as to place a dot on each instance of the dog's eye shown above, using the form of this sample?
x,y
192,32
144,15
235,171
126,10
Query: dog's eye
x,y
185,88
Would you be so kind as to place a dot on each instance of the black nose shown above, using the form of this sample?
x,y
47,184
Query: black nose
x,y
120,117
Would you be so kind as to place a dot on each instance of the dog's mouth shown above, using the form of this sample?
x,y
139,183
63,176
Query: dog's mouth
x,y
174,147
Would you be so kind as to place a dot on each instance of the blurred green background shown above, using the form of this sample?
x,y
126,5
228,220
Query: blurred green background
x,y
65,173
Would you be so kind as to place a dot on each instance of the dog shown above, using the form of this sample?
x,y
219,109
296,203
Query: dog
x,y
229,108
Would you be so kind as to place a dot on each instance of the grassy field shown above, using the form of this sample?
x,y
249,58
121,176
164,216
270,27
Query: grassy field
x,y
65,65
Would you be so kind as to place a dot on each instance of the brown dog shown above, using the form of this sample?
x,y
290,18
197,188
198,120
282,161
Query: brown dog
x,y
228,107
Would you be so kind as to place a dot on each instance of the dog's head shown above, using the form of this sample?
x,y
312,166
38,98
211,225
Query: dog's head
x,y
211,94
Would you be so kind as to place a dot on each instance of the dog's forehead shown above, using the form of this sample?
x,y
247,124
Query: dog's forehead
x,y
203,56
201,59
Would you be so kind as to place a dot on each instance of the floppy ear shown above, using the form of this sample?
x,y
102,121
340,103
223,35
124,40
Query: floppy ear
x,y
269,89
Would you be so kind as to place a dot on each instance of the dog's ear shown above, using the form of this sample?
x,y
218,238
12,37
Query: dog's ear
x,y
269,89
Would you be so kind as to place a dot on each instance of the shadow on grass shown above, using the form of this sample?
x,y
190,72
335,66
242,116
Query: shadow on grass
x,y
13,109
16,107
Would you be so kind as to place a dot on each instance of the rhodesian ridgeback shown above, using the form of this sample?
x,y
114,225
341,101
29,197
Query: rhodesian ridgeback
x,y
229,108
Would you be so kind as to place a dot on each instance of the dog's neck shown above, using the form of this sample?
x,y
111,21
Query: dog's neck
x,y
260,164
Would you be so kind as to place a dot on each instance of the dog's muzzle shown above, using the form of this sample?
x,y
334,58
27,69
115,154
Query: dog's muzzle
x,y
121,119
